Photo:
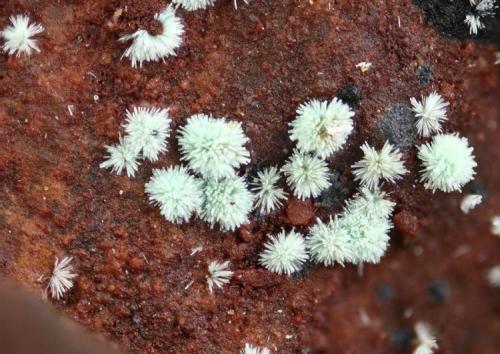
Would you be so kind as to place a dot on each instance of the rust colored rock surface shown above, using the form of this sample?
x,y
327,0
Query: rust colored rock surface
x,y
406,223
140,283
299,212
258,278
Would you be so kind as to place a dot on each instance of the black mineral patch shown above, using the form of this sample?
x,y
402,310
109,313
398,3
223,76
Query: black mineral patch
x,y
447,17
385,291
401,339
398,126
424,74
351,94
438,291
335,194
476,187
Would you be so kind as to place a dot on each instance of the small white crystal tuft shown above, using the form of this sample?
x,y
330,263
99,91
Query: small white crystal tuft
x,y
250,349
495,225
426,342
227,202
218,275
213,147
375,165
268,195
328,243
122,156
62,277
448,163
284,253
494,276
176,192
147,130
306,174
322,127
18,36
431,112
146,47
469,202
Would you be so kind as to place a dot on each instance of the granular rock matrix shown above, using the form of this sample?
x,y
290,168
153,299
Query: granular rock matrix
x,y
256,65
